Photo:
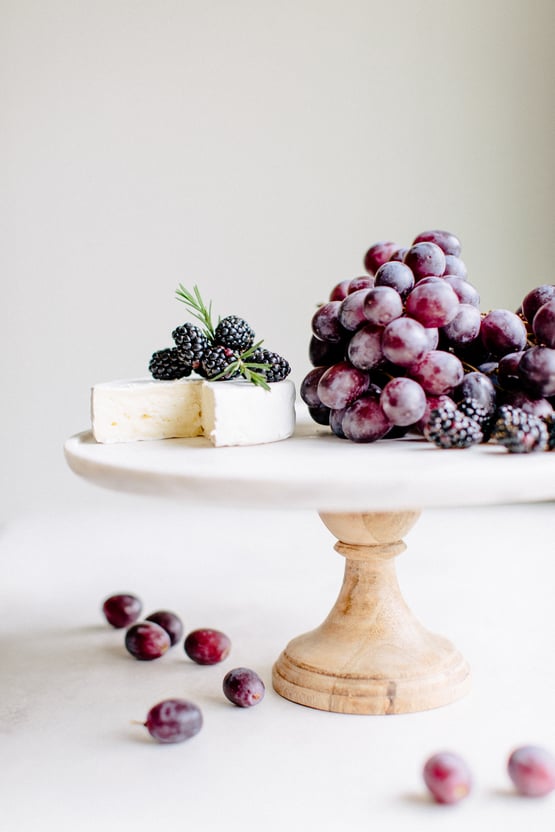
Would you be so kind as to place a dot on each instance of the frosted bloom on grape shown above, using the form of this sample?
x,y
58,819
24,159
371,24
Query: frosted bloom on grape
x,y
351,313
397,276
325,322
454,266
382,305
378,254
544,324
365,348
502,331
433,303
448,242
403,401
439,372
404,342
465,291
465,326
364,420
536,298
341,384
425,259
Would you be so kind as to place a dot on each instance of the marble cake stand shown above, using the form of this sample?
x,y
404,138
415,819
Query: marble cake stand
x,y
371,655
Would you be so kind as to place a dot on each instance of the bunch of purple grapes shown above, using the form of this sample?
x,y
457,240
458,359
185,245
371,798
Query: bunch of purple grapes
x,y
390,348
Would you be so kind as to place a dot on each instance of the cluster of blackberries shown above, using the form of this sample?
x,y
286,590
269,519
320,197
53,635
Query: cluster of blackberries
x,y
223,352
470,423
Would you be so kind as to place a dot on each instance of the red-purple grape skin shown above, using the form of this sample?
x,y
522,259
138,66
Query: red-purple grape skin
x,y
122,610
507,370
398,254
325,353
365,348
536,298
454,267
336,422
173,720
397,276
207,646
320,414
543,324
340,290
465,291
536,371
325,322
351,312
432,304
532,770
378,254
448,242
541,408
447,777
404,342
341,384
147,641
170,622
439,372
382,305
425,259
308,390
362,282
502,331
403,401
465,326
243,687
478,386
365,420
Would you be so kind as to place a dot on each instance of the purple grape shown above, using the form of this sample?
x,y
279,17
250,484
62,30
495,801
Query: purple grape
x,y
447,777
536,370
243,687
397,276
543,324
309,387
378,254
336,422
382,305
532,770
404,342
438,372
454,267
448,243
122,610
365,348
536,298
507,370
398,255
170,622
206,646
425,259
324,353
362,282
340,290
502,331
403,401
433,303
465,291
147,641
365,420
173,720
465,326
341,384
325,322
320,414
477,386
432,337
351,313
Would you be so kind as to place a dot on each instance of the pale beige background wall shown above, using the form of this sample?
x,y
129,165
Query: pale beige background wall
x,y
257,149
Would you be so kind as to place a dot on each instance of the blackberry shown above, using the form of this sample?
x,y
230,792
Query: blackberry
x,y
191,343
166,365
551,434
279,368
449,428
216,360
518,431
478,413
234,333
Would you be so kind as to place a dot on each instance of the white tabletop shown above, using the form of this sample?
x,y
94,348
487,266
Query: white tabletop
x,y
72,761
316,470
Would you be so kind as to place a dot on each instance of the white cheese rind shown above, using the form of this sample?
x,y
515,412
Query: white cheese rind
x,y
227,413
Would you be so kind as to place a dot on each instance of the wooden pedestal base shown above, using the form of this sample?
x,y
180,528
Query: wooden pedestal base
x,y
371,655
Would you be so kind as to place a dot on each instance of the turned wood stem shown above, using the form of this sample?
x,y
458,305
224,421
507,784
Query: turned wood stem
x,y
371,654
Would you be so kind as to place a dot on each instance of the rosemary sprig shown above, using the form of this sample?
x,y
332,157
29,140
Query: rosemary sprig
x,y
196,306
248,369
